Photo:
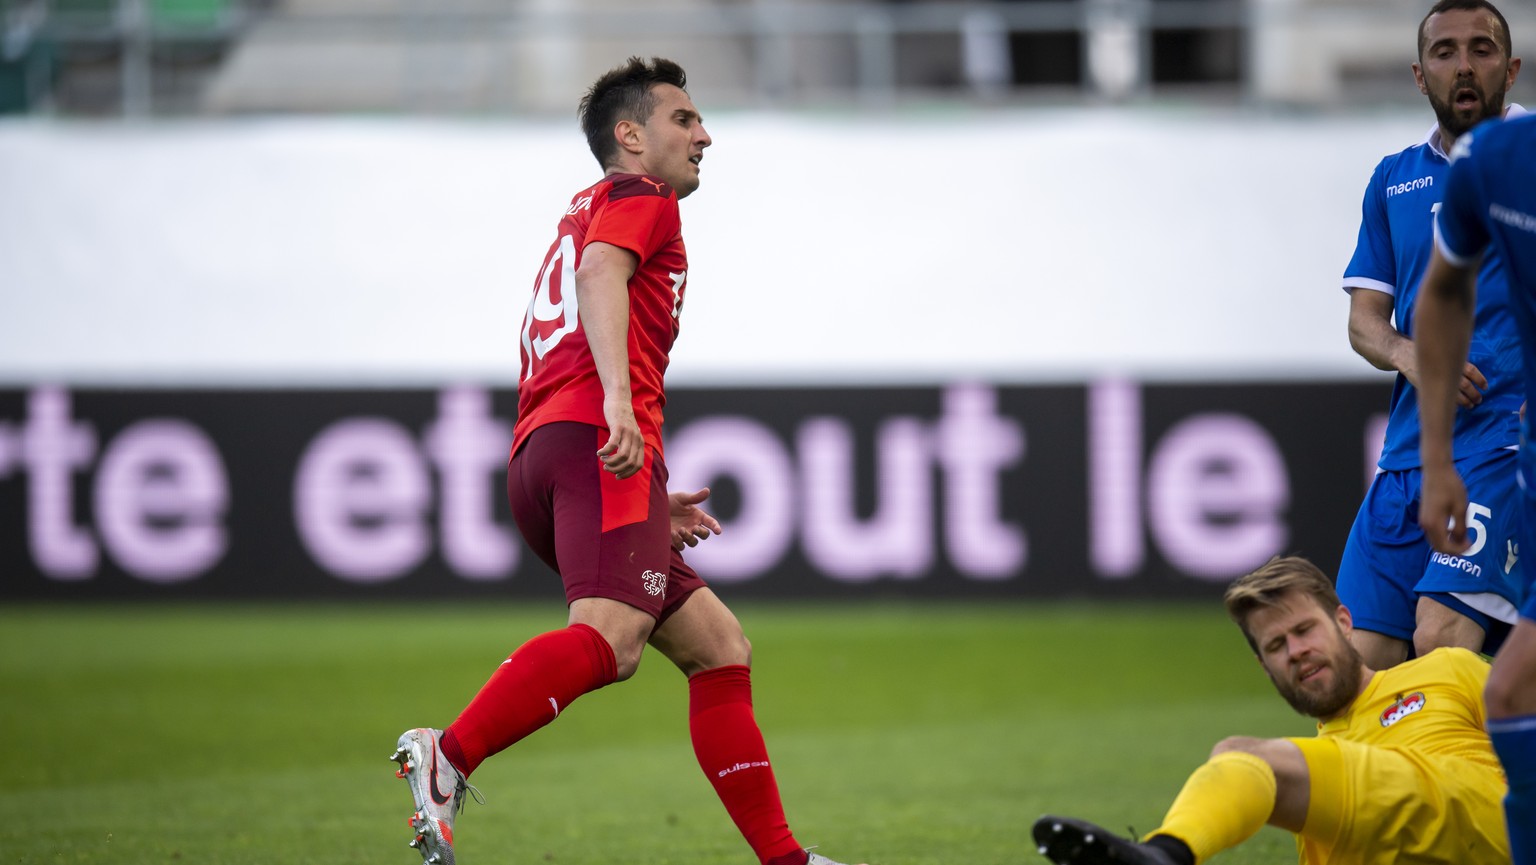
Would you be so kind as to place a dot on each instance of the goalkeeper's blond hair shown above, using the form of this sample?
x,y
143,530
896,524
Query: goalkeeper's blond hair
x,y
1268,586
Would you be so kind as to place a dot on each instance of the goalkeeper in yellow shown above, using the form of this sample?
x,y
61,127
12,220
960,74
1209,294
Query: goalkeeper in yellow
x,y
1401,770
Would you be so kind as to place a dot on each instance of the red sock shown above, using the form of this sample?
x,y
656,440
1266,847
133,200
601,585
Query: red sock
x,y
731,752
529,689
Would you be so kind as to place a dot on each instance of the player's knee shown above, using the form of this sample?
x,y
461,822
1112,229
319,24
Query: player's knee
x,y
1437,626
628,646
1431,636
731,650
1426,640
722,651
624,627
1246,744
626,660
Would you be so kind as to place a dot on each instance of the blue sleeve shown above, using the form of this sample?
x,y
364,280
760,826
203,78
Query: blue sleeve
x,y
1460,232
1373,264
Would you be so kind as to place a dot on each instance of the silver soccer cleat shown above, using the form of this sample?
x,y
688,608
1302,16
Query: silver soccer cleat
x,y
438,790
818,859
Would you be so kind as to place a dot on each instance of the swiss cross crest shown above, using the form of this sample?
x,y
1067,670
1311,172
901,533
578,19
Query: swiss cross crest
x,y
655,584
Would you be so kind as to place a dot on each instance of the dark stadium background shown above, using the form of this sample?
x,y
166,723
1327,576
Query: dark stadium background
x,y
250,220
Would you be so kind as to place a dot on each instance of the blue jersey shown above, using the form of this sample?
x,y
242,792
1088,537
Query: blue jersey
x,y
1490,204
1396,238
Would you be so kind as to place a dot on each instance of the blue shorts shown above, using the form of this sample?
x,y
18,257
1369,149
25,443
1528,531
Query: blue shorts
x,y
1527,567
1388,565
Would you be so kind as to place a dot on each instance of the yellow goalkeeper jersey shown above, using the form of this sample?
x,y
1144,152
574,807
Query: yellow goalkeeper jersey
x,y
1413,777
1432,705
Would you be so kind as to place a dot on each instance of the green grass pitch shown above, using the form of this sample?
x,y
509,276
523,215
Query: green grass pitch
x,y
902,734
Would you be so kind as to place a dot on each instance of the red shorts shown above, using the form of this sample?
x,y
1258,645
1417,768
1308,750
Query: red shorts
x,y
607,538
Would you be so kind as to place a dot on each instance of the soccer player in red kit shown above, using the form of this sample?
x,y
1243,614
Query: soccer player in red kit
x,y
587,482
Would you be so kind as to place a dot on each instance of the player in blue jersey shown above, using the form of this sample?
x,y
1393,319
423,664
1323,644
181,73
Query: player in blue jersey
x,y
1490,206
1407,598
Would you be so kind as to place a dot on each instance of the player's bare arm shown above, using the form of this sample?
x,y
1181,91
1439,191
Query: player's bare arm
x,y
1444,328
602,295
1373,337
690,523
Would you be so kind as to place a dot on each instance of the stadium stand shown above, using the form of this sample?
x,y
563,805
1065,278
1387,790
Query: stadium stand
x,y
113,56
459,55
180,57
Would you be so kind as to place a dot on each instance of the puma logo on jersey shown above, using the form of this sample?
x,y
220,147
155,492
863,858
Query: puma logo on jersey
x,y
1402,708
660,187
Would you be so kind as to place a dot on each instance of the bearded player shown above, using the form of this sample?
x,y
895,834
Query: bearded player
x,y
1401,769
1407,598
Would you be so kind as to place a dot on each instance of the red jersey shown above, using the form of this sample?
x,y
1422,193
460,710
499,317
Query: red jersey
x,y
559,377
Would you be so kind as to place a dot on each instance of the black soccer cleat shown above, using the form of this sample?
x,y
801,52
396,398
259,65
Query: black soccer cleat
x,y
1066,841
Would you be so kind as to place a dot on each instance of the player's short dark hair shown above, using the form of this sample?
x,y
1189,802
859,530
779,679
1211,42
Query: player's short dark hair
x,y
1268,586
624,93
1449,5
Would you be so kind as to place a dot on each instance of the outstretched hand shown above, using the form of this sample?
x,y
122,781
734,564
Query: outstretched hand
x,y
690,523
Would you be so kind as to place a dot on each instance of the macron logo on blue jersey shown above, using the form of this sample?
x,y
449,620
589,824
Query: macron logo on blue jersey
x,y
1411,186
1513,218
